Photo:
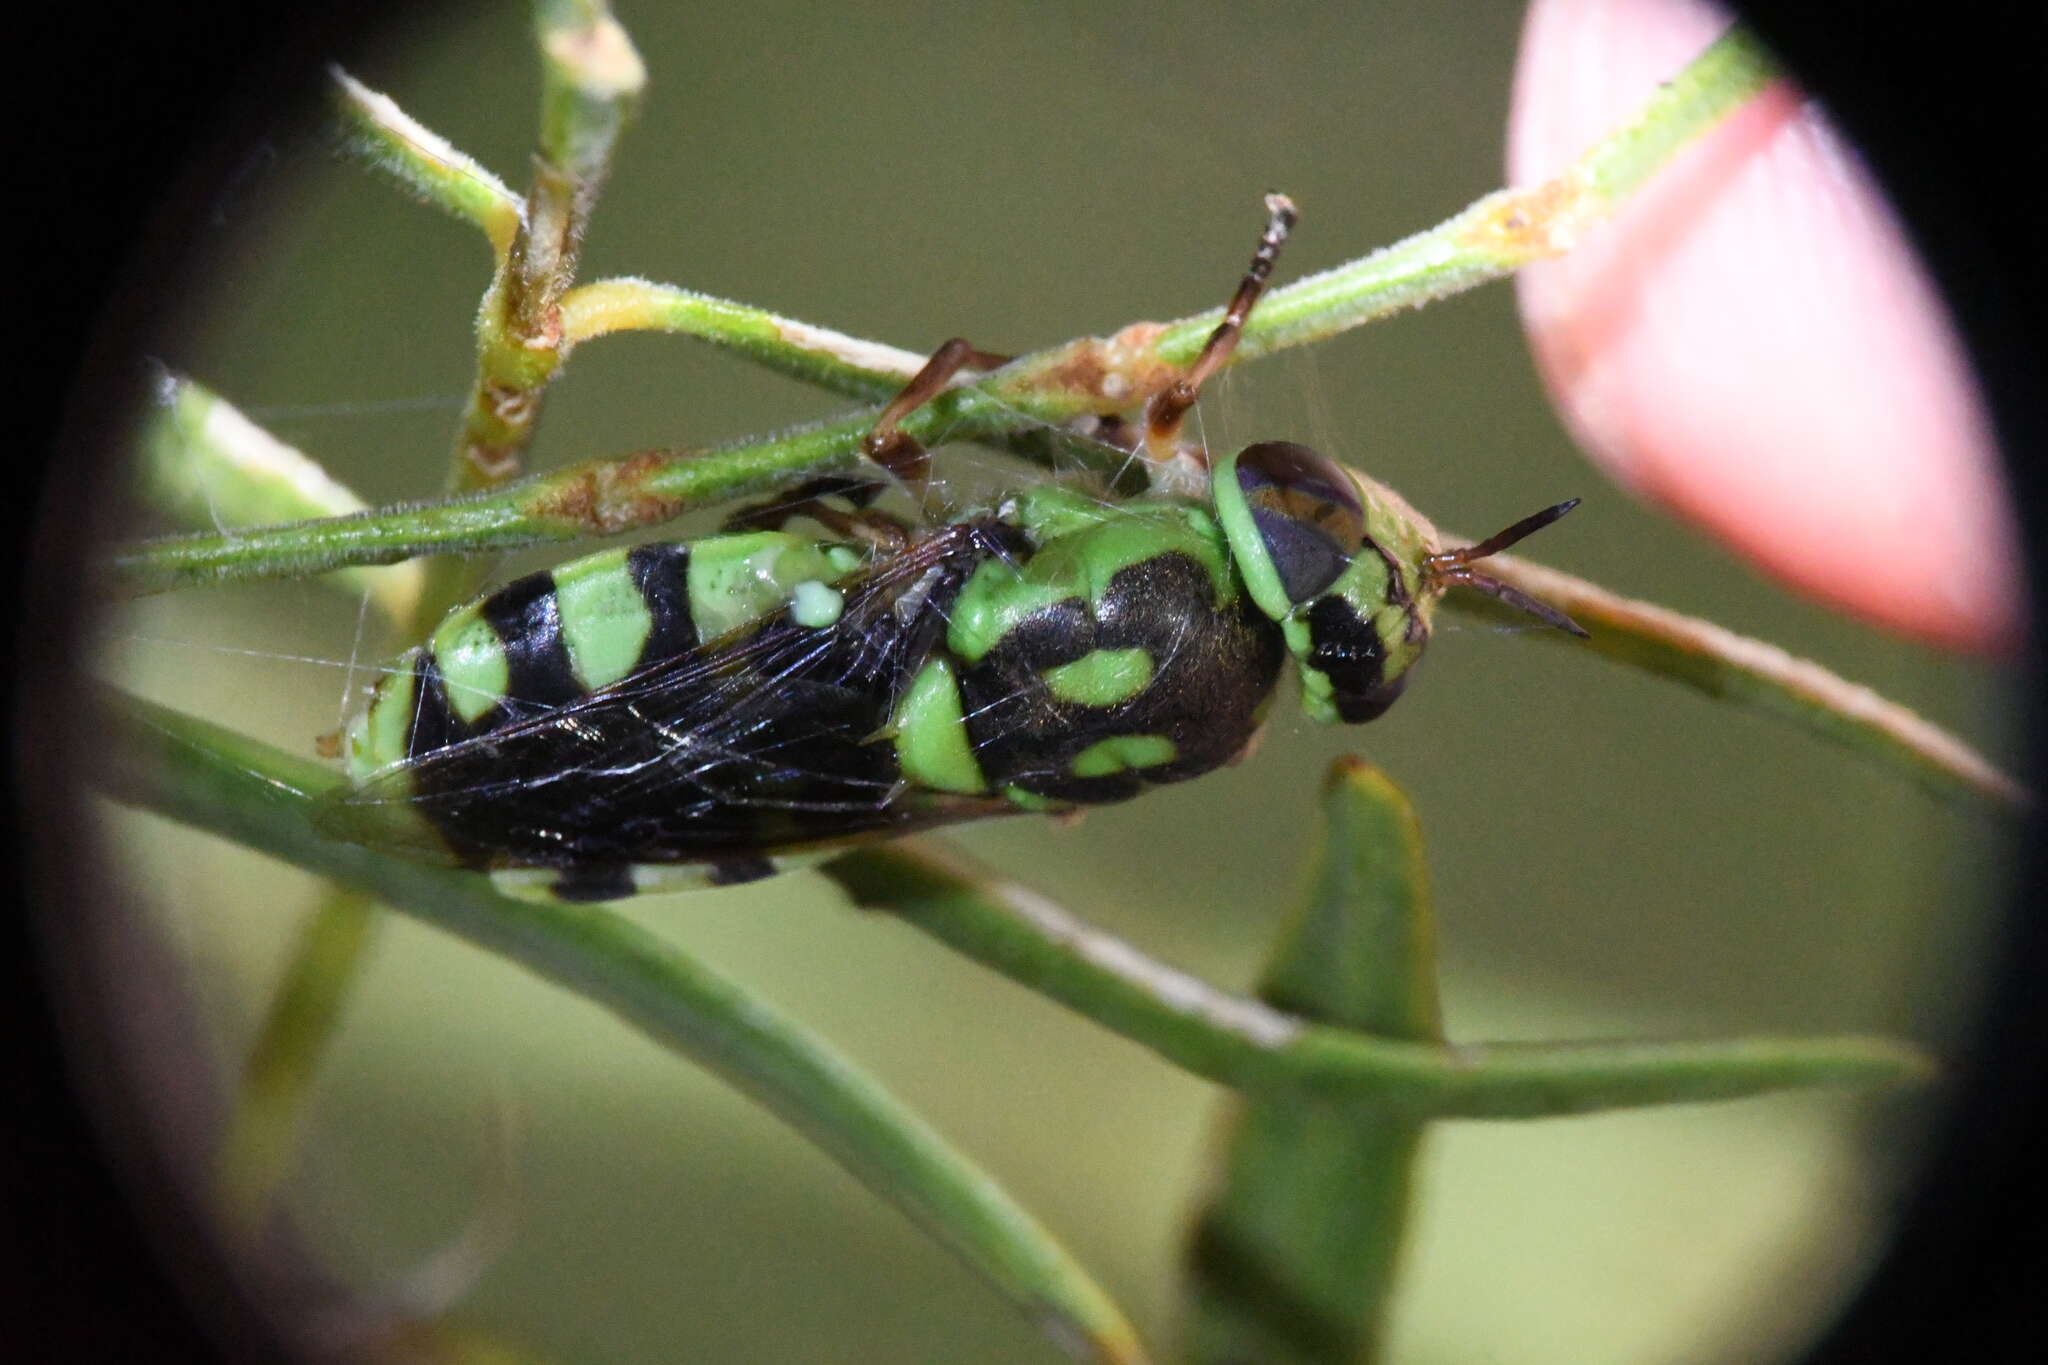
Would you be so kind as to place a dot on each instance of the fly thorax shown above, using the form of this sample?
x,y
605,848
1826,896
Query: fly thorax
x,y
1120,653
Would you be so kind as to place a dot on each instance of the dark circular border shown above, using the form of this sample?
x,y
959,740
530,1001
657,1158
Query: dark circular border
x,y
105,174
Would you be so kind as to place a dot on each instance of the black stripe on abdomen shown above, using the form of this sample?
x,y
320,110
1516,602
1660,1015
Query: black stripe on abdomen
x,y
528,620
661,572
434,723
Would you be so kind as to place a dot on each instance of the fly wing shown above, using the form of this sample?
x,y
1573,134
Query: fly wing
x,y
773,736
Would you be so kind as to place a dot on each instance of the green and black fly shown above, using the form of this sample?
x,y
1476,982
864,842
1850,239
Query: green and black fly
x,y
707,712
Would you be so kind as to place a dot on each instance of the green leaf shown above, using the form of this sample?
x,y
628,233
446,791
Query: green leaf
x,y
1293,1261
206,464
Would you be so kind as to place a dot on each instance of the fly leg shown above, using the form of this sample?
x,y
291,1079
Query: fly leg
x,y
1163,415
895,449
887,444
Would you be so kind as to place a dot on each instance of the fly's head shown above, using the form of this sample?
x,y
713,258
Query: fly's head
x,y
1350,572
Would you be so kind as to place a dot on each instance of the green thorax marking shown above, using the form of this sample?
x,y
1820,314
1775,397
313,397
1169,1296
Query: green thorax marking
x,y
1081,546
1102,678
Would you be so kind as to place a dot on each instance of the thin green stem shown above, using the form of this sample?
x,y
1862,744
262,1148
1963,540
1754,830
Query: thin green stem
x,y
425,162
270,1104
1763,677
206,464
600,497
591,78
1732,69
595,498
591,81
1268,1053
240,789
831,360
1504,231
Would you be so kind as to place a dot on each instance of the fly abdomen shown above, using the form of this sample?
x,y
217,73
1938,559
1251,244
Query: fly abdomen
x,y
713,704
544,640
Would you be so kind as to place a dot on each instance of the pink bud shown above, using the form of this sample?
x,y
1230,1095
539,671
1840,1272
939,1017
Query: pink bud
x,y
1752,344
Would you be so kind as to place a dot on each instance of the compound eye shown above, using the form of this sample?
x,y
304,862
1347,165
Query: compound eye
x,y
1307,513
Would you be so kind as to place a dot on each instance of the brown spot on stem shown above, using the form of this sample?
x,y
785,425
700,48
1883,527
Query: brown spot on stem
x,y
493,463
513,406
546,332
1113,375
1527,225
610,496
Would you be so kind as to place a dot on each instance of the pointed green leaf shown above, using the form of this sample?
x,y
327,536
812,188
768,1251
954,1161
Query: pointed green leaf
x,y
1294,1259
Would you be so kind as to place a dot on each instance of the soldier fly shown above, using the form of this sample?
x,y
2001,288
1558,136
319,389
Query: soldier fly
x,y
710,711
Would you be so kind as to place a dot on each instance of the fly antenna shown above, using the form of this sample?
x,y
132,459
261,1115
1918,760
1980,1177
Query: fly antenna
x,y
1500,540
1455,567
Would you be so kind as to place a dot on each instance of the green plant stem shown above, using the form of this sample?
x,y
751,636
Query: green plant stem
x,y
843,364
1504,231
1089,376
1732,69
591,78
595,498
206,464
1267,1053
1717,661
423,161
262,1131
591,81
235,787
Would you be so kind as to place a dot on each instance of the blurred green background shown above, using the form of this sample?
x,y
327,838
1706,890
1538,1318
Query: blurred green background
x,y
1611,856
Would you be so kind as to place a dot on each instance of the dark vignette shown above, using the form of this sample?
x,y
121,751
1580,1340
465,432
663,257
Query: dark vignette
x,y
1930,95
105,1265
135,118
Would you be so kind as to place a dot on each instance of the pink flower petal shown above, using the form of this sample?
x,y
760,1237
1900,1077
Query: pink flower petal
x,y
1752,344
